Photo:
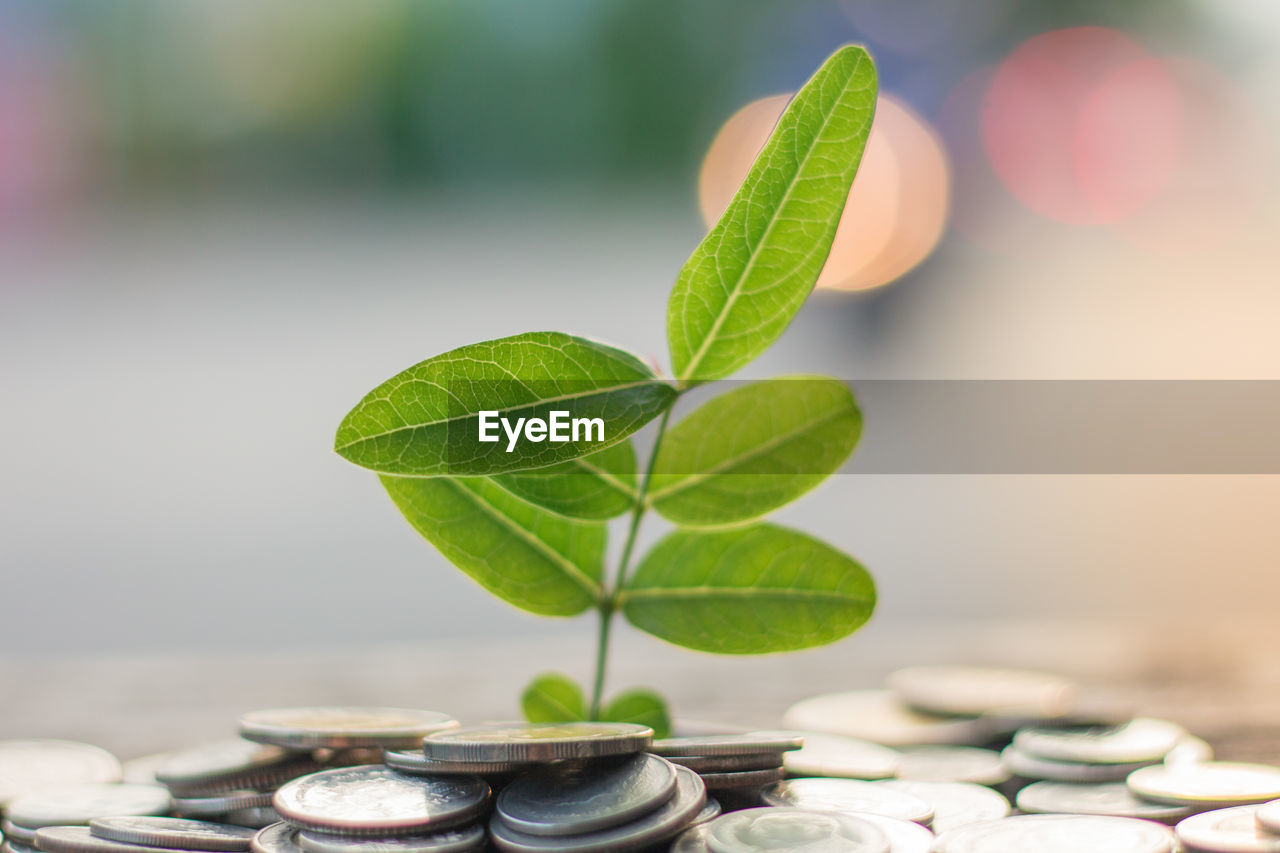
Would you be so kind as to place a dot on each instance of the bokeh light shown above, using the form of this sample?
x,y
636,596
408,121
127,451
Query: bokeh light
x,y
897,208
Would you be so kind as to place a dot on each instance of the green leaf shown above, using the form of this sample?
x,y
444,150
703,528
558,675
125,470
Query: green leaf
x,y
553,698
639,706
425,422
595,487
750,451
532,558
746,281
748,590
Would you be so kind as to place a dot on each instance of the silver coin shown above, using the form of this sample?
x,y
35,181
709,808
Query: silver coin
x,y
1189,750
904,836
975,691
1058,834
848,795
172,833
276,838
794,830
537,742
258,817
1233,830
841,756
654,828
457,840
1141,740
343,727
1269,817
742,779
375,800
710,811
750,743
20,834
878,716
1212,783
728,763
570,798
79,804
952,764
79,839
1032,767
954,804
230,764
28,766
1106,798
417,764
692,840
220,804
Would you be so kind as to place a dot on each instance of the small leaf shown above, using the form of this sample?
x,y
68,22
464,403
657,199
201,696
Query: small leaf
x,y
640,706
743,285
425,422
532,558
595,487
748,590
753,450
553,698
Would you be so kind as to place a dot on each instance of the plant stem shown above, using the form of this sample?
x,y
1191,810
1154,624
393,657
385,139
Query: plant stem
x,y
609,598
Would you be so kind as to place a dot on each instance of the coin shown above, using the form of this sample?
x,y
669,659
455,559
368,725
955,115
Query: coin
x,y
1269,817
27,766
460,839
750,743
711,810
847,795
343,727
1058,834
847,757
20,834
1033,767
1233,830
975,691
1220,783
1105,798
570,798
692,840
728,763
78,839
952,764
904,836
537,742
1141,740
742,779
221,804
878,716
276,838
954,804
766,829
375,800
172,833
80,804
1189,750
17,847
417,764
257,817
230,764
655,827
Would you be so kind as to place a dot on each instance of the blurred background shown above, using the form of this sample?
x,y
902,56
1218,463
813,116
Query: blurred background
x,y
221,223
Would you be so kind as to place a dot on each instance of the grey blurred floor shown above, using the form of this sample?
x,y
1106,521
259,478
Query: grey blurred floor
x,y
171,377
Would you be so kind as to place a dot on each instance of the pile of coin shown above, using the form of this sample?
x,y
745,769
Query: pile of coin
x,y
934,764
734,767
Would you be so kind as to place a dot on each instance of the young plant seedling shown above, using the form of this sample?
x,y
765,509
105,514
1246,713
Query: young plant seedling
x,y
511,456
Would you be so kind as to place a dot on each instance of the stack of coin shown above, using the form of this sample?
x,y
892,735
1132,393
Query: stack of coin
x,y
734,767
1239,829
25,817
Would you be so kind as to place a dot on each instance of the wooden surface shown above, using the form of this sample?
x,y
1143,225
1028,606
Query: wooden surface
x,y
1220,680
